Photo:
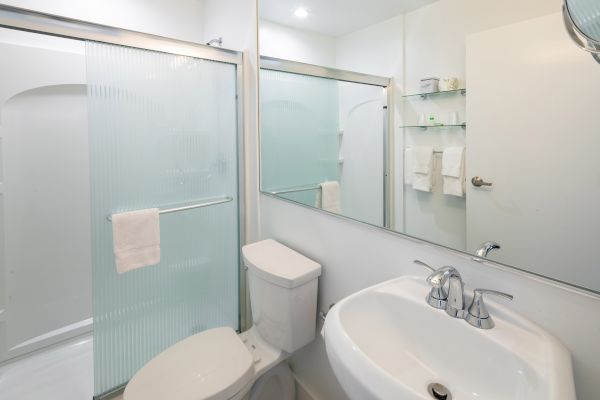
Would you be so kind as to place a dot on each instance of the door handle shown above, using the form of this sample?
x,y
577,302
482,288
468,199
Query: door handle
x,y
478,182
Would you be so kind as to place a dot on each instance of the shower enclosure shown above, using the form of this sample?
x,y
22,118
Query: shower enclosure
x,y
95,121
321,124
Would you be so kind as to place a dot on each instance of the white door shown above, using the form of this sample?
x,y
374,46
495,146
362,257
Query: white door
x,y
533,132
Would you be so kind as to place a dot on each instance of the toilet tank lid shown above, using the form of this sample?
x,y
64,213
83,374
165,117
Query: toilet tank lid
x,y
278,264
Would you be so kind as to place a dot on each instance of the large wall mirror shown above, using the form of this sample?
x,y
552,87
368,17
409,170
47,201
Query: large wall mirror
x,y
469,124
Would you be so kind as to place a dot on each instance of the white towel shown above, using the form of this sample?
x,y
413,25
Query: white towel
x,y
453,170
136,239
422,168
423,159
328,198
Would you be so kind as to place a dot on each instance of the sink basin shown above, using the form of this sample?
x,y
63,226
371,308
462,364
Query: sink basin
x,y
386,342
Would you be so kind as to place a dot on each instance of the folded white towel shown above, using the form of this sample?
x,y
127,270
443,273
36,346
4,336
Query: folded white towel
x,y
423,159
328,198
453,170
422,168
136,239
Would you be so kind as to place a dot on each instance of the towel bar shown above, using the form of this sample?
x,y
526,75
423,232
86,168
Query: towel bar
x,y
208,203
292,190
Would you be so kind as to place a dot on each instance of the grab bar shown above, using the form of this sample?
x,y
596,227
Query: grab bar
x,y
190,207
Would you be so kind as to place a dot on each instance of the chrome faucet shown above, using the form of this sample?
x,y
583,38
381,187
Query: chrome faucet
x,y
486,247
455,302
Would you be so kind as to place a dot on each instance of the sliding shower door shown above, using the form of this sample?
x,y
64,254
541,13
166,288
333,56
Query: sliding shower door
x,y
163,133
299,133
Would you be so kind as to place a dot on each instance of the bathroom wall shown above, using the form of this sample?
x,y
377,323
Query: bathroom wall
x,y
355,256
42,116
379,50
160,17
281,41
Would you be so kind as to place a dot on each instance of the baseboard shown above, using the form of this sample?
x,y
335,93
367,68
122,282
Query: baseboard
x,y
302,392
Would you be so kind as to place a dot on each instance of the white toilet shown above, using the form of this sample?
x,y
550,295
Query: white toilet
x,y
219,364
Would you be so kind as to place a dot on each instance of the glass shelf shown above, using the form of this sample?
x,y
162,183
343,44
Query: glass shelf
x,y
424,127
424,96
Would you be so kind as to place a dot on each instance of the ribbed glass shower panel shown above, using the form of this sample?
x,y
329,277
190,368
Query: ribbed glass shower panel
x,y
299,117
163,133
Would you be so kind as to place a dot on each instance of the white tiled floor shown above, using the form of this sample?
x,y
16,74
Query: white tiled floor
x,y
64,372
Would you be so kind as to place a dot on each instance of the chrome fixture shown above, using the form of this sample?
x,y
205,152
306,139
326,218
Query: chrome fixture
x,y
582,21
218,41
438,295
486,247
208,203
478,315
295,189
477,181
323,314
455,303
439,391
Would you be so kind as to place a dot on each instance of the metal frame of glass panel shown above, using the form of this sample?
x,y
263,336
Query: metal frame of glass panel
x,y
53,25
294,67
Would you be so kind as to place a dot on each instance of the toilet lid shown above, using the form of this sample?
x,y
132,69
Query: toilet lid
x,y
211,365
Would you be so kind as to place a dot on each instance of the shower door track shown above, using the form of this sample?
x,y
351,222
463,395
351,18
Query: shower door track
x,y
53,25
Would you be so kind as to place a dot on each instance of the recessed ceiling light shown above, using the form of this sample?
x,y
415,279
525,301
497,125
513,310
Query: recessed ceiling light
x,y
301,12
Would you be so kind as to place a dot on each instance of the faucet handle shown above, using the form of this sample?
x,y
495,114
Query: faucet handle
x,y
478,315
438,295
422,264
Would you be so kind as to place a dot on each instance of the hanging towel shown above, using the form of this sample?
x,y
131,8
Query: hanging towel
x,y
453,170
328,198
136,239
422,178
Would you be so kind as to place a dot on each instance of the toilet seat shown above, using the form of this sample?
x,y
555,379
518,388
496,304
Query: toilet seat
x,y
211,365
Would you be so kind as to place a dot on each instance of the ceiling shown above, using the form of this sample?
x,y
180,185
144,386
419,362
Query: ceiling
x,y
336,17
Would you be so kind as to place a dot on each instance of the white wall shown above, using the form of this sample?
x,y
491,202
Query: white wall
x,y
361,121
180,20
379,50
435,40
43,122
355,256
281,41
548,187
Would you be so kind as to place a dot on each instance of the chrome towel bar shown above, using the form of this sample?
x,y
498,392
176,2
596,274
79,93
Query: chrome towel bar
x,y
292,190
212,202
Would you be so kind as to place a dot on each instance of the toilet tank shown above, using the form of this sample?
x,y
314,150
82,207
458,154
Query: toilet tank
x,y
283,294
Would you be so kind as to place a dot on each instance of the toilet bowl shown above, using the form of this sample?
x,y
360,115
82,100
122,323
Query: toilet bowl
x,y
219,364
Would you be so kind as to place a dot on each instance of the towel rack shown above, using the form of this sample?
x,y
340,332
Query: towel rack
x,y
292,190
212,202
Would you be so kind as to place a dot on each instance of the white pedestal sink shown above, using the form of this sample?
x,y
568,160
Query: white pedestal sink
x,y
386,342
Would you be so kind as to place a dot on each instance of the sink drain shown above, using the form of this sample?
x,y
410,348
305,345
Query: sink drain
x,y
439,391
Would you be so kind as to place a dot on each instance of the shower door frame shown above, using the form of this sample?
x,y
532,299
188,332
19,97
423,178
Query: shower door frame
x,y
319,71
53,25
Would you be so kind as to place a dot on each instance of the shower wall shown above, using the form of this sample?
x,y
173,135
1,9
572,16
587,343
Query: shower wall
x,y
45,257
